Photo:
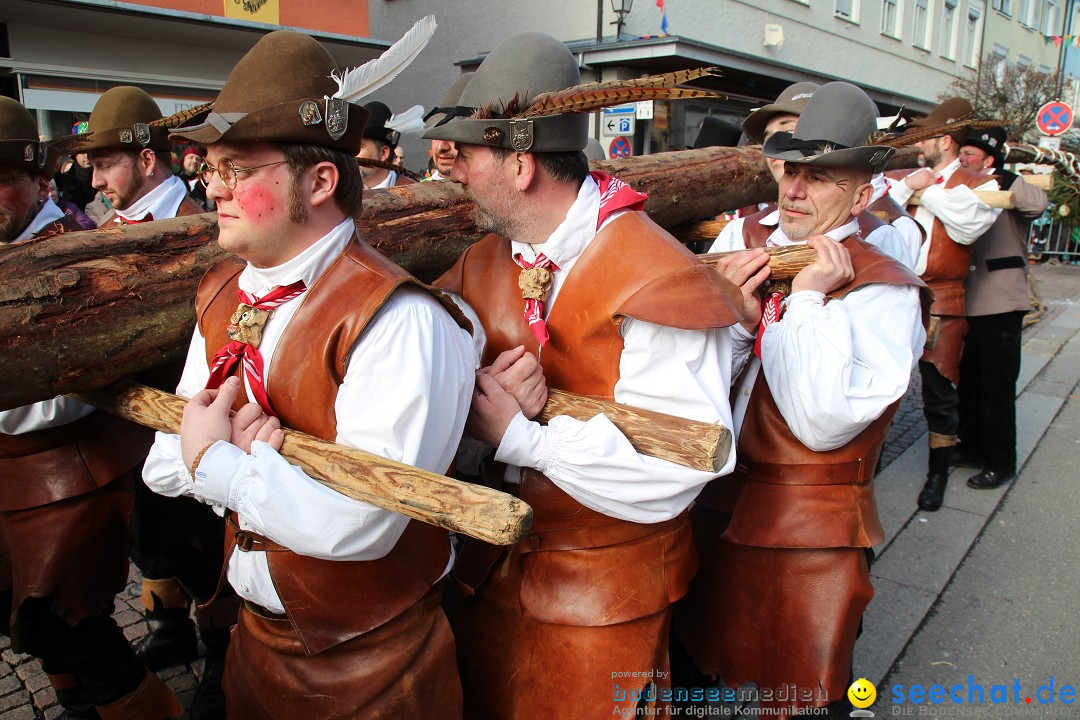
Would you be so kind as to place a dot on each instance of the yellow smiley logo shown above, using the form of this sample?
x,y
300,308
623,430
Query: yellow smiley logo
x,y
862,693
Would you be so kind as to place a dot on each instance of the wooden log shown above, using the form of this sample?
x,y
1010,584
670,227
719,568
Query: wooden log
x,y
994,198
472,510
82,310
698,445
785,261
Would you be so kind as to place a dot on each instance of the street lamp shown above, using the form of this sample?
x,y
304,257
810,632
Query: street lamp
x,y
621,8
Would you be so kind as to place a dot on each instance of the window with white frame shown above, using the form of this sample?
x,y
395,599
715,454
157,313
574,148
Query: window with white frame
x,y
920,34
847,9
973,32
1023,12
948,29
999,61
890,18
1002,6
1023,62
1050,18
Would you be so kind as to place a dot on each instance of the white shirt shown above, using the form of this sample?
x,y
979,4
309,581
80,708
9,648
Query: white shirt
x,y
888,239
162,202
834,367
959,209
908,251
47,215
59,410
406,394
679,372
388,182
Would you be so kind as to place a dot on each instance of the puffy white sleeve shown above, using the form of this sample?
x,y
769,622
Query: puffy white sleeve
x,y
679,372
960,210
405,396
834,367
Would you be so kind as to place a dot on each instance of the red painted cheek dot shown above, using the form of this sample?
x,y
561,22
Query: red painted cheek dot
x,y
1028,701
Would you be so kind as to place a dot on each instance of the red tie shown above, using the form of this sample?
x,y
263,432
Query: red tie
x,y
124,221
534,307
227,357
770,313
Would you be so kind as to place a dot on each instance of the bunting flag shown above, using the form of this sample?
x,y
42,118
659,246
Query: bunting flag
x,y
663,18
1073,40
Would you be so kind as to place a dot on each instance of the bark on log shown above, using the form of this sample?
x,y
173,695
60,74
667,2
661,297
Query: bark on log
x,y
82,310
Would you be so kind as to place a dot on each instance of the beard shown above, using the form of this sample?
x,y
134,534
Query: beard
x,y
800,230
11,224
497,217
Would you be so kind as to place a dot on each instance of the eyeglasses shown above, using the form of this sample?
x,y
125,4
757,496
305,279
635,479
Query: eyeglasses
x,y
226,170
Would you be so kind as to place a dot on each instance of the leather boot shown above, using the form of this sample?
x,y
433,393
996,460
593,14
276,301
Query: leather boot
x,y
170,639
150,701
933,492
73,699
209,700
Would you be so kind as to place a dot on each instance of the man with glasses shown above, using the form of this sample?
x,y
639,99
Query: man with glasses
x,y
66,478
342,613
952,217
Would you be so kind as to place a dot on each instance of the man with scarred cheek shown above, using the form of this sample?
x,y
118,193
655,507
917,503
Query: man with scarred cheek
x,y
784,574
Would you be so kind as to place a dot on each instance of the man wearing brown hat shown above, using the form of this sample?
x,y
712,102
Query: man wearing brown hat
x,y
131,159
341,615
379,142
444,152
784,576
613,307
996,291
65,498
953,217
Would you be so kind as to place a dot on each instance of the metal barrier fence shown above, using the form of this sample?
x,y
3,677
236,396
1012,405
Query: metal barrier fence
x,y
1055,237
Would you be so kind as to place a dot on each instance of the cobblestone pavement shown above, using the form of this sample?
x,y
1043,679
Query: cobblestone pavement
x,y
25,693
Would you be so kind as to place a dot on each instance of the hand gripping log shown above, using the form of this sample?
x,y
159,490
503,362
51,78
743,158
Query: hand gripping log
x,y
785,261
472,510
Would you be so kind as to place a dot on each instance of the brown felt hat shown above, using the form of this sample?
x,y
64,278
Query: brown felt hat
x,y
19,144
790,102
121,120
280,91
949,111
522,66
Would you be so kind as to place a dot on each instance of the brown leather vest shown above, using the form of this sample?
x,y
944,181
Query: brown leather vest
x,y
948,262
783,494
56,463
632,268
888,210
329,602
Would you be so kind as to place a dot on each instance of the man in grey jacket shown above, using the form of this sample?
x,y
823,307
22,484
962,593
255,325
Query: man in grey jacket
x,y
997,300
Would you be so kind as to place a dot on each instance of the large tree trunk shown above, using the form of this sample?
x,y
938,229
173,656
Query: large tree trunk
x,y
81,310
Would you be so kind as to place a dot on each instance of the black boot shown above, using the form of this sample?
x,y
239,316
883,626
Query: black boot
x,y
209,700
73,699
170,640
933,492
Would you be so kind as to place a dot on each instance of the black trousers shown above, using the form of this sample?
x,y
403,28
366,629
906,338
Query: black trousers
x,y
940,400
989,368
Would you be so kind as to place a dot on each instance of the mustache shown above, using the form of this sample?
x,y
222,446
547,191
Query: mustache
x,y
796,207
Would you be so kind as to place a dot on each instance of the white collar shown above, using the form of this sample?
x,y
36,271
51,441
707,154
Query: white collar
x,y
880,185
948,170
436,175
388,182
161,202
841,233
48,214
307,266
574,233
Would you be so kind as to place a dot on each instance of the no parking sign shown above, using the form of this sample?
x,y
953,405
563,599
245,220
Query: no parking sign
x,y
1054,118
620,148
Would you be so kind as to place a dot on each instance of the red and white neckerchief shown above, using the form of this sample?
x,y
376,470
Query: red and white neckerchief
x,y
125,221
614,195
770,312
245,347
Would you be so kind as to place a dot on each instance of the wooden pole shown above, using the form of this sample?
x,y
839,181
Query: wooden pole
x,y
472,510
